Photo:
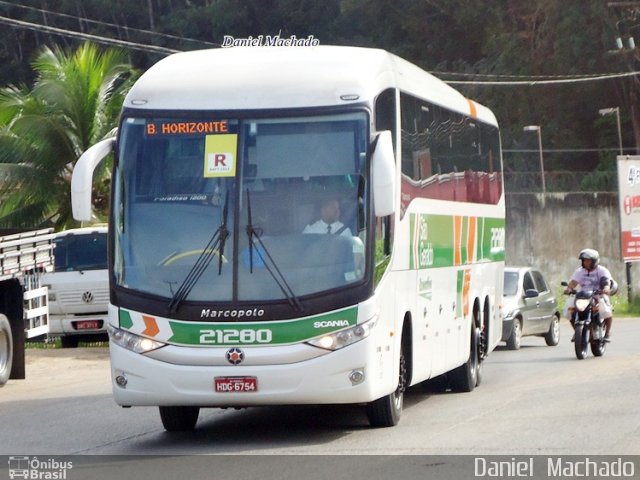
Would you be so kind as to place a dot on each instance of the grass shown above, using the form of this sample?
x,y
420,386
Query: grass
x,y
53,343
622,307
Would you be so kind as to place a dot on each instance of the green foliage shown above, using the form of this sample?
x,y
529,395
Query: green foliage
x,y
623,308
73,103
56,343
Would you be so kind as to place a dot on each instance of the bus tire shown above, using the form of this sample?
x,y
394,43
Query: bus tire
x,y
6,350
179,419
466,376
386,411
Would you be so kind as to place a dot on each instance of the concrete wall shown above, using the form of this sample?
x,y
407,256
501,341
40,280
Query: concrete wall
x,y
548,232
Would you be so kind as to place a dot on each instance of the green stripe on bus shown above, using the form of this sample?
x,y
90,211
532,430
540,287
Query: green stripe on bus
x,y
125,319
459,289
260,333
432,241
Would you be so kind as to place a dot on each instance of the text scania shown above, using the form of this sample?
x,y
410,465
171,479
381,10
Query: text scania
x,y
251,312
331,323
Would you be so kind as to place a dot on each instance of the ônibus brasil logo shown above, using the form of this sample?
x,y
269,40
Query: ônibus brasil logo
x,y
34,468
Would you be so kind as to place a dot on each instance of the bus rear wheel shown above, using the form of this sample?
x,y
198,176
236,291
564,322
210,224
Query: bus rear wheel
x,y
468,375
386,411
179,419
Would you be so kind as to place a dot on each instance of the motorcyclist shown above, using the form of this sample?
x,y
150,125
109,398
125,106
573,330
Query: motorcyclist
x,y
592,276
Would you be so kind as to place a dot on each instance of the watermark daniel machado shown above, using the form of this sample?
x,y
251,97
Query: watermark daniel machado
x,y
35,468
555,467
269,41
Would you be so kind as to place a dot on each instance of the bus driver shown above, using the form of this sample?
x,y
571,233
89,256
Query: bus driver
x,y
329,220
329,223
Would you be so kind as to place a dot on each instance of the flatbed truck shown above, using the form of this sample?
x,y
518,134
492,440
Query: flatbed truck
x,y
24,310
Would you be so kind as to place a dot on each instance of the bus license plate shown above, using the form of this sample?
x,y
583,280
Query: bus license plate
x,y
236,384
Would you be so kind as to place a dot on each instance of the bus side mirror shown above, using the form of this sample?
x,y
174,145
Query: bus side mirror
x,y
383,168
82,179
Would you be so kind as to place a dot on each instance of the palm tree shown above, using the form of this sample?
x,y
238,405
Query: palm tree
x,y
75,102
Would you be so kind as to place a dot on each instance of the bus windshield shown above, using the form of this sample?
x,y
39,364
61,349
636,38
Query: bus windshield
x,y
215,209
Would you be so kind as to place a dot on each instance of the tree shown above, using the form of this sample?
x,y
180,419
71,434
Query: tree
x,y
74,103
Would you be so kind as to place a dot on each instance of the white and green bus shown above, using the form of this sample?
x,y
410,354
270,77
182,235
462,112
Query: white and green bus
x,y
226,290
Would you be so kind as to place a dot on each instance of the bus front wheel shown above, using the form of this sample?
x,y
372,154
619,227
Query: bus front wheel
x,y
179,419
386,411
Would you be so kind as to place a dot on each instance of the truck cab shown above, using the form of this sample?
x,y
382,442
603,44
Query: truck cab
x,y
79,286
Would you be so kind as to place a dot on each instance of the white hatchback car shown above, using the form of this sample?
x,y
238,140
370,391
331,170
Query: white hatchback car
x,y
79,286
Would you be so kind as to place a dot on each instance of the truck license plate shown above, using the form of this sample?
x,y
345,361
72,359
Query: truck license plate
x,y
88,324
235,384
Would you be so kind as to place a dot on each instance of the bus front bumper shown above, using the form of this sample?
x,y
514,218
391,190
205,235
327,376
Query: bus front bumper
x,y
342,376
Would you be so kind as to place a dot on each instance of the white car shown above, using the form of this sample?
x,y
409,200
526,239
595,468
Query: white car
x,y
79,286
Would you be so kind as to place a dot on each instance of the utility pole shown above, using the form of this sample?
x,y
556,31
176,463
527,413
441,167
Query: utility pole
x,y
628,26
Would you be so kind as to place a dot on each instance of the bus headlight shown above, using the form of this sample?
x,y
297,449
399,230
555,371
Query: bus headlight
x,y
131,341
343,338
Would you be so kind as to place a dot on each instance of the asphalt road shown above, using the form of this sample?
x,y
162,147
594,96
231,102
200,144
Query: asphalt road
x,y
536,401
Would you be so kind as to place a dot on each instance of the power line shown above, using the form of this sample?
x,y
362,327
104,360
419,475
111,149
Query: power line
x,y
523,77
562,150
87,36
534,82
114,25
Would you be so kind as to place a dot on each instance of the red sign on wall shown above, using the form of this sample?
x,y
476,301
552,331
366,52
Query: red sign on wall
x,y
629,198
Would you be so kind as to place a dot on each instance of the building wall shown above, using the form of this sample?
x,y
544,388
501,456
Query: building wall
x,y
548,232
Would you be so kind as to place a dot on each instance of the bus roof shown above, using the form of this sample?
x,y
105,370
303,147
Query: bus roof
x,y
255,78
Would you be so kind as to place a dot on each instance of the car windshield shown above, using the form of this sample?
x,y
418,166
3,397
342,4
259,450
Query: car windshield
x,y
239,209
80,252
510,283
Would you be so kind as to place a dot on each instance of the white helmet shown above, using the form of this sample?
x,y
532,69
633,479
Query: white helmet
x,y
590,254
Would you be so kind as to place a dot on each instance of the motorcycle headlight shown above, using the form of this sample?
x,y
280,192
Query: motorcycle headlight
x,y
337,340
131,341
582,304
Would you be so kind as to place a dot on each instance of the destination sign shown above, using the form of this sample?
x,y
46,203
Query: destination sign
x,y
187,128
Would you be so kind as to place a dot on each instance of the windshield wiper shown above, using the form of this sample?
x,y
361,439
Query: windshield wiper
x,y
254,234
215,246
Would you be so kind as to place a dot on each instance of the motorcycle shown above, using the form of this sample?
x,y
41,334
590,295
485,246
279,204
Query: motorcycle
x,y
589,327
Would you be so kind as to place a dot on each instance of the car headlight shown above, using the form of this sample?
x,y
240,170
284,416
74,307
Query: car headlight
x,y
582,304
131,341
343,338
509,315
